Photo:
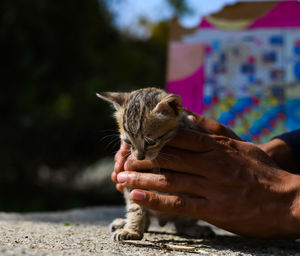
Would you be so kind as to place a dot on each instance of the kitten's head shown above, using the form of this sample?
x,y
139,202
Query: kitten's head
x,y
147,119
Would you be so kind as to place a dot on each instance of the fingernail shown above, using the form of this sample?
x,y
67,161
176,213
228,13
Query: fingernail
x,y
138,195
122,177
192,118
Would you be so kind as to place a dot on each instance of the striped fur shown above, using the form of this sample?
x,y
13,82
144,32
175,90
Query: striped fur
x,y
147,119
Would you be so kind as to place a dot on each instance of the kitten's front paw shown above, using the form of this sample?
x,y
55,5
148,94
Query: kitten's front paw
x,y
117,224
126,234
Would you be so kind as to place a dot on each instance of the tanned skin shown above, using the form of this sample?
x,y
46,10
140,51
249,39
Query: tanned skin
x,y
235,185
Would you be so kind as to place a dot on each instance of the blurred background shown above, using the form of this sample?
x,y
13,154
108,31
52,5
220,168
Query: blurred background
x,y
57,140
55,55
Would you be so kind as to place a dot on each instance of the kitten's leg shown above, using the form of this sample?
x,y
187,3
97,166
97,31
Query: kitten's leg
x,y
117,224
137,221
189,227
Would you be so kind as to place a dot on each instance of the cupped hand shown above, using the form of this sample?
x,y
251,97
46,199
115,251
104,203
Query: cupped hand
x,y
224,181
120,159
202,123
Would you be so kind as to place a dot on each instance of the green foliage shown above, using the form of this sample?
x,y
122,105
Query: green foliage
x,y
55,55
180,7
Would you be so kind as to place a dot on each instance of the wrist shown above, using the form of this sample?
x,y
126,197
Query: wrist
x,y
281,154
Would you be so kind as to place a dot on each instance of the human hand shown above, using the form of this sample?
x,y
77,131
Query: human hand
x,y
120,159
202,123
207,125
277,149
229,183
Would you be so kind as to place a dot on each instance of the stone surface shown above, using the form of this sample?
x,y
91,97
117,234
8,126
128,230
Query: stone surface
x,y
84,232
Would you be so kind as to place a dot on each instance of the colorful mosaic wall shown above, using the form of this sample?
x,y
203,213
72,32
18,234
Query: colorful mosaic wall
x,y
248,79
247,82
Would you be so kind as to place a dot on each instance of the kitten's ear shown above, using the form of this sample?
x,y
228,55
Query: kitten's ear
x,y
170,105
116,98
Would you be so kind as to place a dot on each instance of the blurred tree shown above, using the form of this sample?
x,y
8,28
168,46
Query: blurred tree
x,y
54,56
180,7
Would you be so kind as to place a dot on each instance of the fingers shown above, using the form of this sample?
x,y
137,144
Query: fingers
x,y
193,117
193,141
120,157
114,177
211,126
215,127
120,188
165,182
177,160
192,207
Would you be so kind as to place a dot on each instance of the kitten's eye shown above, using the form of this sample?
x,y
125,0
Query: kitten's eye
x,y
150,142
127,142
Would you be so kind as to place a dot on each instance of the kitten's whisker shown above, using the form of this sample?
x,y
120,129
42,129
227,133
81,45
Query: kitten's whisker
x,y
113,143
109,139
113,134
109,129
110,136
109,132
114,139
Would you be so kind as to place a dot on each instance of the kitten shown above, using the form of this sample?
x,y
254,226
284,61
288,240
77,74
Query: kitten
x,y
147,119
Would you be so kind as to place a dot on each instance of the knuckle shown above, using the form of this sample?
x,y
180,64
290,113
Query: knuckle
x,y
166,180
129,165
123,153
135,180
226,141
179,203
154,200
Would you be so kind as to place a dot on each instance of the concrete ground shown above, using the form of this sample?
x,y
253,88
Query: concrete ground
x,y
84,232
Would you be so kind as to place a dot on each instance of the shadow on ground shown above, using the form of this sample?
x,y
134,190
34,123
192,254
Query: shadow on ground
x,y
87,232
237,244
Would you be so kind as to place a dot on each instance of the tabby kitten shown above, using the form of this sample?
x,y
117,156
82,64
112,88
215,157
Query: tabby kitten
x,y
147,119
